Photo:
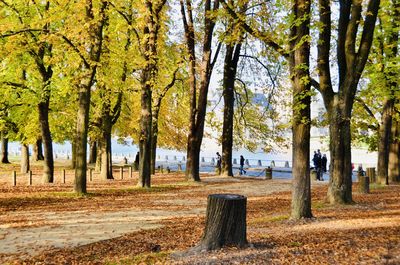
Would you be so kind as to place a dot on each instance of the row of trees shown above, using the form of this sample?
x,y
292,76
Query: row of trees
x,y
90,69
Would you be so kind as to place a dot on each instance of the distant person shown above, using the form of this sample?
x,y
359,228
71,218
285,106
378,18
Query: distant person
x,y
241,170
324,161
317,164
219,162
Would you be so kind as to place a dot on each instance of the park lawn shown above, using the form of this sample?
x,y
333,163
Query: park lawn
x,y
367,232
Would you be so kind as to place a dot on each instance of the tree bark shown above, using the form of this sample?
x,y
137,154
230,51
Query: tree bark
x,y
340,181
4,148
25,158
38,150
73,153
225,222
93,151
105,149
48,165
230,69
301,192
394,153
384,142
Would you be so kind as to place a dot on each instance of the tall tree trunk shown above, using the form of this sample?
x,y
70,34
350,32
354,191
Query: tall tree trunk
x,y
145,132
82,124
154,140
25,158
95,41
48,166
394,153
198,107
230,68
93,151
4,148
38,150
73,153
340,181
384,142
105,147
301,192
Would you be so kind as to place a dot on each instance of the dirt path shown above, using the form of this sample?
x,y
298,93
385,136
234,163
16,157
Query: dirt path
x,y
43,230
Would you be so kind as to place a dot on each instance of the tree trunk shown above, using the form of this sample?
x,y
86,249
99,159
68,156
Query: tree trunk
x,y
340,181
384,142
73,153
197,111
38,150
154,140
4,148
230,68
225,222
48,166
93,152
145,133
25,158
105,150
394,153
82,124
301,191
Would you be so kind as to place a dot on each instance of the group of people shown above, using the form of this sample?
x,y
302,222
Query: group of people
x,y
241,169
320,162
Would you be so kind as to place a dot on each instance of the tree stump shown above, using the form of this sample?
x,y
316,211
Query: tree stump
x,y
225,222
363,184
371,174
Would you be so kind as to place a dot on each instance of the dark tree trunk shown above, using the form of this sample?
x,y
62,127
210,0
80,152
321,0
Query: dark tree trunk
x,y
384,142
105,149
25,158
4,149
394,153
301,192
82,125
230,68
197,106
340,181
48,166
38,150
93,152
225,222
73,153
154,140
145,132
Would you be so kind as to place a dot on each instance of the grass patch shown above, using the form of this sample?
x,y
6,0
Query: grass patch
x,y
318,205
271,219
377,186
295,244
144,258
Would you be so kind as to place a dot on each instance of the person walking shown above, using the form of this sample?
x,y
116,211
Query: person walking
x,y
241,169
219,163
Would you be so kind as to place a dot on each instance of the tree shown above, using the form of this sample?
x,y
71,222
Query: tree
x,y
232,56
298,58
198,101
339,104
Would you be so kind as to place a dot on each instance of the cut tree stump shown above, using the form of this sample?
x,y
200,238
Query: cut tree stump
x,y
225,222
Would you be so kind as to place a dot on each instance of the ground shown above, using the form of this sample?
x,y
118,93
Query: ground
x,y
118,223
